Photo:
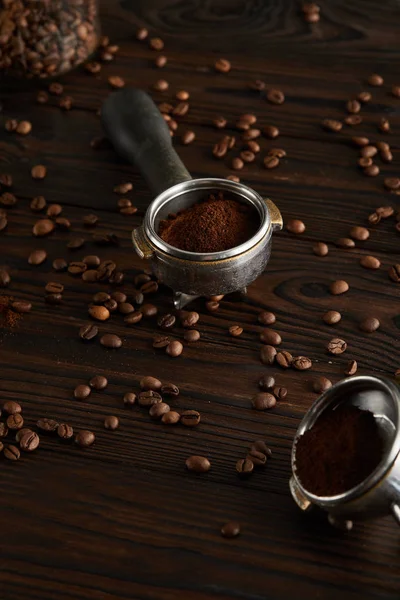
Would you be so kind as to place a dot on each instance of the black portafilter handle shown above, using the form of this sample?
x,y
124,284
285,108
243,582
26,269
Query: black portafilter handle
x,y
138,132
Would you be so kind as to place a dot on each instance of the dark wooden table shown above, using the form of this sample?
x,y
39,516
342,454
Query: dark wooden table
x,y
124,519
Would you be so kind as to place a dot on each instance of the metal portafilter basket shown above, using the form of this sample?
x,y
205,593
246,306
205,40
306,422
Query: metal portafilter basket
x,y
139,133
379,494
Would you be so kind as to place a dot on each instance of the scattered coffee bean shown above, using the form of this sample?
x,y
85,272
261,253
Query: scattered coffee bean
x,y
11,407
111,305
90,276
7,199
53,299
43,227
332,317
4,278
15,421
320,249
271,162
261,446
148,310
189,319
364,97
133,318
85,438
270,337
266,383
370,262
284,359
3,222
280,393
90,220
384,125
149,288
53,287
81,392
192,335
271,132
24,127
11,452
353,106
150,383
11,125
374,218
263,401
212,306
392,183
76,243
111,422
369,324
219,122
29,441
88,332
161,341
222,65
169,389
302,363
235,330
98,382
266,317
198,464
65,431
258,458
268,354
188,137
360,141
338,287
3,430
321,384
275,96
63,223
125,308
100,313
38,172
54,210
359,233
346,243
174,348
129,399
337,346
332,125
148,398
253,146
171,418
351,368
91,261
375,80
48,425
123,188
385,211
368,151
142,33
37,257
244,467
190,418
110,340
21,306
394,273
295,226
372,171
158,410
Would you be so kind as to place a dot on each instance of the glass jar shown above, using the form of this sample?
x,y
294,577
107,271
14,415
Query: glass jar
x,y
45,38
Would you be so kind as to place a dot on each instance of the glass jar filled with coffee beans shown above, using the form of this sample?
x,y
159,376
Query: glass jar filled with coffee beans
x,y
44,38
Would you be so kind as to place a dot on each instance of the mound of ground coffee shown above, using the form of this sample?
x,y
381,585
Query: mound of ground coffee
x,y
212,225
339,451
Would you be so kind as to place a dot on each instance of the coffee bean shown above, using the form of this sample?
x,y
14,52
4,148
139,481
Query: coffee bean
x,y
11,407
188,137
396,91
360,141
158,410
237,163
268,354
302,363
189,319
271,162
15,421
148,310
353,106
271,337
394,273
332,125
65,431
212,306
169,389
271,132
284,359
21,306
88,332
53,299
278,152
53,287
375,80
29,441
280,393
180,110
392,183
266,317
369,324
353,120
338,287
384,125
275,96
346,243
161,341
24,127
54,210
364,97
374,218
386,156
222,65
48,425
110,340
382,146
100,313
332,317
43,227
171,418
11,452
111,422
258,458
370,262
263,401
150,383
337,346
92,261
359,233
37,257
98,382
219,122
251,134
106,269
244,467
320,249
253,146
11,125
76,243
148,398
295,226
192,335
6,180
166,321
351,368
385,211
3,430
125,308
85,438
82,392
123,188
190,418
7,199
111,305
372,171
174,348
129,399
266,383
321,384
3,223
133,318
198,464
38,172
142,33
368,151
4,278
235,330
261,446
90,276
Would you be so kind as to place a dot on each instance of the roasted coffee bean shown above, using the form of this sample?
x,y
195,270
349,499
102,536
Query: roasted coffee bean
x,y
4,278
11,452
338,287
43,227
90,276
161,341
385,211
244,467
169,389
258,458
375,80
237,164
63,223
198,464
384,125
110,340
370,262
53,287
7,199
253,146
129,399
148,310
65,431
222,65
11,407
271,162
278,152
119,297
263,401
320,249
111,305
190,418
90,220
261,446
295,226
332,125
188,137
189,319
174,349
251,134
29,441
54,210
48,425
364,97
149,397
372,171
321,384
171,418
108,239
88,332
111,422
247,156
133,318
161,85
280,393
369,324
123,188
271,132
368,151
337,346
158,410
142,33
38,172
100,313
268,354
76,243
53,299
275,96
150,383
85,438
129,210
266,317
125,308
21,432
396,91
302,363
81,392
149,288
392,183
166,321
394,273
353,106
284,359
360,141
3,222
15,421
98,382
101,297
266,383
359,233
346,243
181,109
271,337
212,306
106,269
141,279
77,268
192,335
374,218
386,156
332,317
3,430
11,125
92,261
235,330
351,368
353,120
6,180
219,122
37,257
21,306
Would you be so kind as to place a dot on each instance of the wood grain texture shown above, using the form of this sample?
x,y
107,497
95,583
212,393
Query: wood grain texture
x,y
123,519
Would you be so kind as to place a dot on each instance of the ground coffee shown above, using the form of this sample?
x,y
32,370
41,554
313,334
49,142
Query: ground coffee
x,y
213,225
339,451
